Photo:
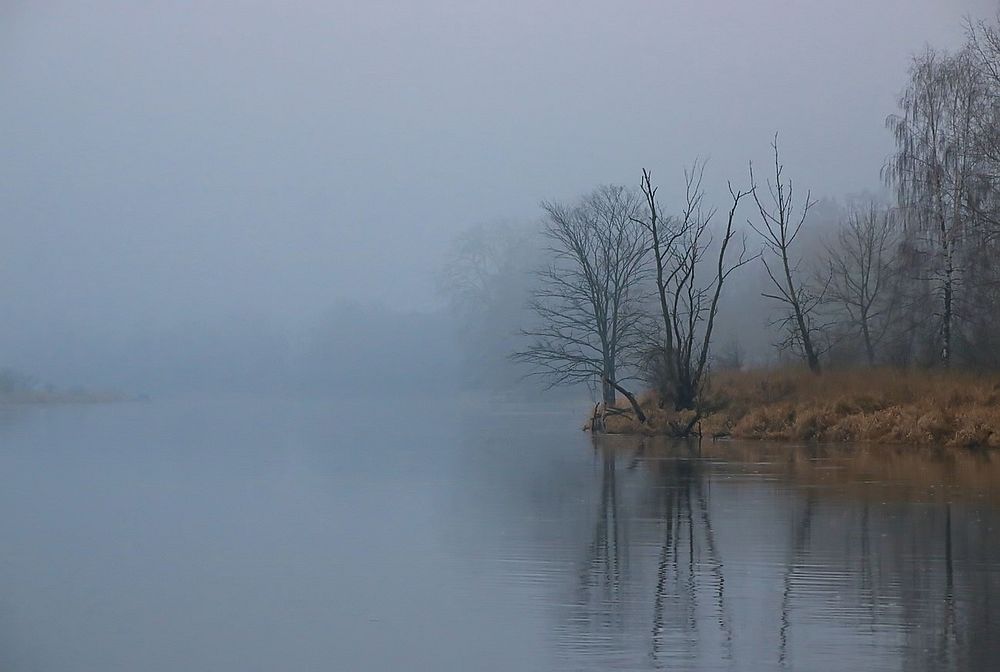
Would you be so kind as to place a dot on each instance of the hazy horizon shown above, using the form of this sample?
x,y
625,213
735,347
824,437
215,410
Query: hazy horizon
x,y
223,163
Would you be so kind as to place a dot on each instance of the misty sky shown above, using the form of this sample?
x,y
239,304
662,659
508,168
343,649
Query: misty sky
x,y
163,160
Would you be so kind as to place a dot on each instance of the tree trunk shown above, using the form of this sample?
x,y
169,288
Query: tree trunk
x,y
811,357
596,424
661,287
684,396
949,272
869,348
632,400
608,391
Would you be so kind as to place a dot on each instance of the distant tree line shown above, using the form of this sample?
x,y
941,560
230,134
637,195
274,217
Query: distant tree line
x,y
629,291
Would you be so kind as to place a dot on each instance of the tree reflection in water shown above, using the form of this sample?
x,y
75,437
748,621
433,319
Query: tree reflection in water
x,y
851,560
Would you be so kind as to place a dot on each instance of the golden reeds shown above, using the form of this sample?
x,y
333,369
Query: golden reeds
x,y
871,405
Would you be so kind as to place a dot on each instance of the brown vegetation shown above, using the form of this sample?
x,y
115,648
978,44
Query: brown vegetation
x,y
930,408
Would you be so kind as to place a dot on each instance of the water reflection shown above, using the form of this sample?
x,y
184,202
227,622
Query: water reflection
x,y
757,556
255,534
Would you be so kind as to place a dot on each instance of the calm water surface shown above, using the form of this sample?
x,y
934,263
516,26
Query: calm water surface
x,y
355,535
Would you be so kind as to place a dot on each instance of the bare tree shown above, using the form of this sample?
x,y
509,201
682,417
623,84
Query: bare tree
x,y
780,225
731,357
589,300
688,308
983,40
979,303
481,263
983,48
485,280
862,270
934,168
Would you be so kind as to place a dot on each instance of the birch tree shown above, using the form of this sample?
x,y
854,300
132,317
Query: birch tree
x,y
934,169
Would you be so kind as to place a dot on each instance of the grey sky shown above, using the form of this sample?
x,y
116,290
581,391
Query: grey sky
x,y
169,159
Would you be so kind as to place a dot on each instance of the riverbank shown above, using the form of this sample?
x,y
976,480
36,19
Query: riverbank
x,y
18,388
60,397
888,406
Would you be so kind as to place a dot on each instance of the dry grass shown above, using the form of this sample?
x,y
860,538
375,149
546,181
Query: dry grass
x,y
874,406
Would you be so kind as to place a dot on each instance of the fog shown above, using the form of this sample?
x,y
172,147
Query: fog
x,y
250,195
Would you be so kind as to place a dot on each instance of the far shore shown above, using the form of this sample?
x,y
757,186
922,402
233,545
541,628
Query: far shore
x,y
57,398
880,406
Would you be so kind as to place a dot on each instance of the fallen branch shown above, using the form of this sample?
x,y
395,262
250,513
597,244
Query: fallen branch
x,y
632,400
593,420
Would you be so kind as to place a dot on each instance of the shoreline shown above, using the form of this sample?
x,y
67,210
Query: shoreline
x,y
63,399
877,406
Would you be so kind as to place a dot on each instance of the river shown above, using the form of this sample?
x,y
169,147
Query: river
x,y
366,534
